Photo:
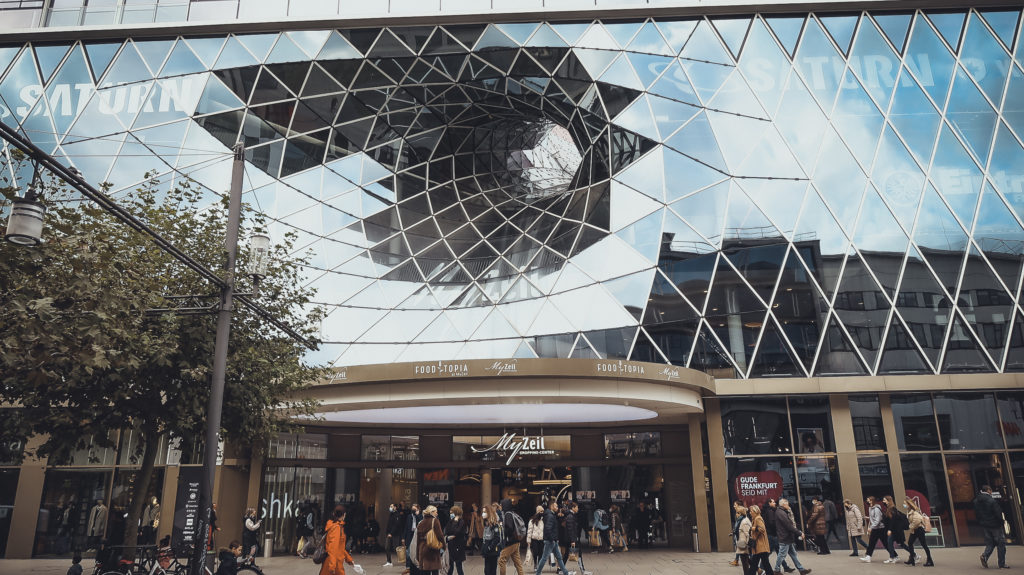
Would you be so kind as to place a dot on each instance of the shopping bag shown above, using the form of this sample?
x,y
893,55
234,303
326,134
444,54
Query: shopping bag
x,y
400,552
595,538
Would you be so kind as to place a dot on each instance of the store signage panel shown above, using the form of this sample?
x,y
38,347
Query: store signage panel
x,y
512,447
757,487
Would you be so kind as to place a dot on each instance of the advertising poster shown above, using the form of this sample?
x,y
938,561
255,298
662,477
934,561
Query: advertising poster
x,y
186,507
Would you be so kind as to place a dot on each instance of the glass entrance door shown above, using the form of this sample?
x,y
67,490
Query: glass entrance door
x,y
967,474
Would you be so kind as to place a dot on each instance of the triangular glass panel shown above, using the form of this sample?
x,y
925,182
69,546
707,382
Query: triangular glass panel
x,y
647,67
901,355
774,357
862,308
583,350
760,266
840,180
285,51
518,32
388,46
665,304
823,81
670,115
154,52
941,238
801,123
795,305
545,37
684,176
524,351
985,60
181,61
949,24
705,210
1013,106
930,61
676,85
7,55
650,41
1007,158
963,354
310,41
23,73
49,57
744,220
787,29
239,80
913,116
869,55
895,25
957,176
1000,237
738,334
710,356
880,240
676,32
65,100
985,303
707,77
269,89
293,75
777,199
923,303
730,294
857,119
900,178
697,141
337,48
494,38
594,61
128,68
100,55
736,98
628,206
1004,22
840,357
645,350
733,30
840,28
1015,349
971,115
768,71
704,46
612,343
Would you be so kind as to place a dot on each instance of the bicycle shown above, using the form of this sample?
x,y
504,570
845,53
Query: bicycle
x,y
246,564
146,562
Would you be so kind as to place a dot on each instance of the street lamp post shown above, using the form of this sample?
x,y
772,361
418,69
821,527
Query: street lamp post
x,y
220,359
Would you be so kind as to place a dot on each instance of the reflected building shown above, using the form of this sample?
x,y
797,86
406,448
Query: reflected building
x,y
798,231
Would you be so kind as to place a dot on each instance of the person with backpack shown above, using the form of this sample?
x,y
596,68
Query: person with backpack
x,y
491,542
514,531
990,516
603,525
896,525
920,525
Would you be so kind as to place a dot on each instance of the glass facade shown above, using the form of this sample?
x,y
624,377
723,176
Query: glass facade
x,y
753,196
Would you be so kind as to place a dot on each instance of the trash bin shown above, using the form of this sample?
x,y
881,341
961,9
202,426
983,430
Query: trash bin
x,y
268,544
696,540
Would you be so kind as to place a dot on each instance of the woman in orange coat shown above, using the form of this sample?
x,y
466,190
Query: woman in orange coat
x,y
337,556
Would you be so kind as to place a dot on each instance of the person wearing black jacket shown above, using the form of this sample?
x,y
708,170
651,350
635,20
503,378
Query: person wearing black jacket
x,y
896,525
456,534
990,516
785,528
769,526
572,535
551,540
393,530
229,559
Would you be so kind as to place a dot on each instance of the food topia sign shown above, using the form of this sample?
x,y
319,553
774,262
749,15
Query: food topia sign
x,y
515,445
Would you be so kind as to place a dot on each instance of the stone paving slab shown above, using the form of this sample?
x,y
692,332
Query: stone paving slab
x,y
649,562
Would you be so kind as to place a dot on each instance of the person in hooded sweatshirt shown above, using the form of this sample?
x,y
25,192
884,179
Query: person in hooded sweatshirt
x,y
229,559
337,554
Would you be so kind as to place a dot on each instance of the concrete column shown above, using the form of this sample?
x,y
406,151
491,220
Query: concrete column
x,y
719,475
700,496
385,494
26,503
892,450
485,487
846,448
168,499
252,499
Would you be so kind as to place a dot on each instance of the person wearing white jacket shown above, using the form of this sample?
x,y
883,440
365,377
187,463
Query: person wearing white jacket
x,y
535,536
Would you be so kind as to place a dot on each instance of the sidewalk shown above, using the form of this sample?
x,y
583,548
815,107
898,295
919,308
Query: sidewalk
x,y
650,562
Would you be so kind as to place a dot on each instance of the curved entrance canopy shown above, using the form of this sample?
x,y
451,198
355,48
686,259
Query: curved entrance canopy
x,y
512,391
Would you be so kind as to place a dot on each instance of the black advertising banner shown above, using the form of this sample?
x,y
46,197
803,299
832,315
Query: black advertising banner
x,y
186,507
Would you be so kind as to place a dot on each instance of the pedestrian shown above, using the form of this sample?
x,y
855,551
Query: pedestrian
x,y
785,527
411,521
618,530
602,527
429,557
743,538
491,544
476,528
758,545
76,565
456,533
832,519
769,525
818,524
335,544
895,529
876,527
572,533
736,520
550,537
990,516
854,526
642,519
535,536
393,531
229,559
514,532
303,527
918,529
251,533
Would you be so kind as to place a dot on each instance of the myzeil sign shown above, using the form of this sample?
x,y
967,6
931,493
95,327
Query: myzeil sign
x,y
515,445
70,100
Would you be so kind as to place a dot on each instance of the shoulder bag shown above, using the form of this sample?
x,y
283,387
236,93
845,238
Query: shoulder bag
x,y
432,541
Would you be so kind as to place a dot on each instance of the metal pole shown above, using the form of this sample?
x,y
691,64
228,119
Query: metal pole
x,y
220,359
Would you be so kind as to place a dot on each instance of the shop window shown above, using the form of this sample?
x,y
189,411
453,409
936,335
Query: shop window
x,y
8,487
11,452
967,475
73,515
755,480
915,422
875,477
646,444
924,479
130,451
818,478
121,497
755,426
867,422
287,492
91,452
184,452
391,448
968,421
1011,411
298,446
811,420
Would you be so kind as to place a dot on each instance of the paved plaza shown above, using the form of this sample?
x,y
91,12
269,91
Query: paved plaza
x,y
651,562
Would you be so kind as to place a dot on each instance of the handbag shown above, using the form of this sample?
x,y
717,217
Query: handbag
x,y
432,541
320,553
595,538
400,552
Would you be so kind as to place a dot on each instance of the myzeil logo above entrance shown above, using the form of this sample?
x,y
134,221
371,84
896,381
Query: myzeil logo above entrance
x,y
502,366
515,445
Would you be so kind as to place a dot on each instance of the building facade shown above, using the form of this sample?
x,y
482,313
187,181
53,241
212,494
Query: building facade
x,y
810,213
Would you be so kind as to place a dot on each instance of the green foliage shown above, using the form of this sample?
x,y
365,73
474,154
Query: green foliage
x,y
80,355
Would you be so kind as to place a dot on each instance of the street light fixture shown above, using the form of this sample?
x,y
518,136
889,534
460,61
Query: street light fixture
x,y
259,255
25,224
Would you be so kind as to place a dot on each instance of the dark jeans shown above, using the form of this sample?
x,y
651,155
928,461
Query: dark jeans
x,y
760,560
918,535
896,537
490,565
854,540
832,529
873,539
995,539
389,546
822,542
456,565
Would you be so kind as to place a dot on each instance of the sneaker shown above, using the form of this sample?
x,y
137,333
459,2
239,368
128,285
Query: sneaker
x,y
1004,566
388,564
866,559
854,554
984,561
890,560
917,557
